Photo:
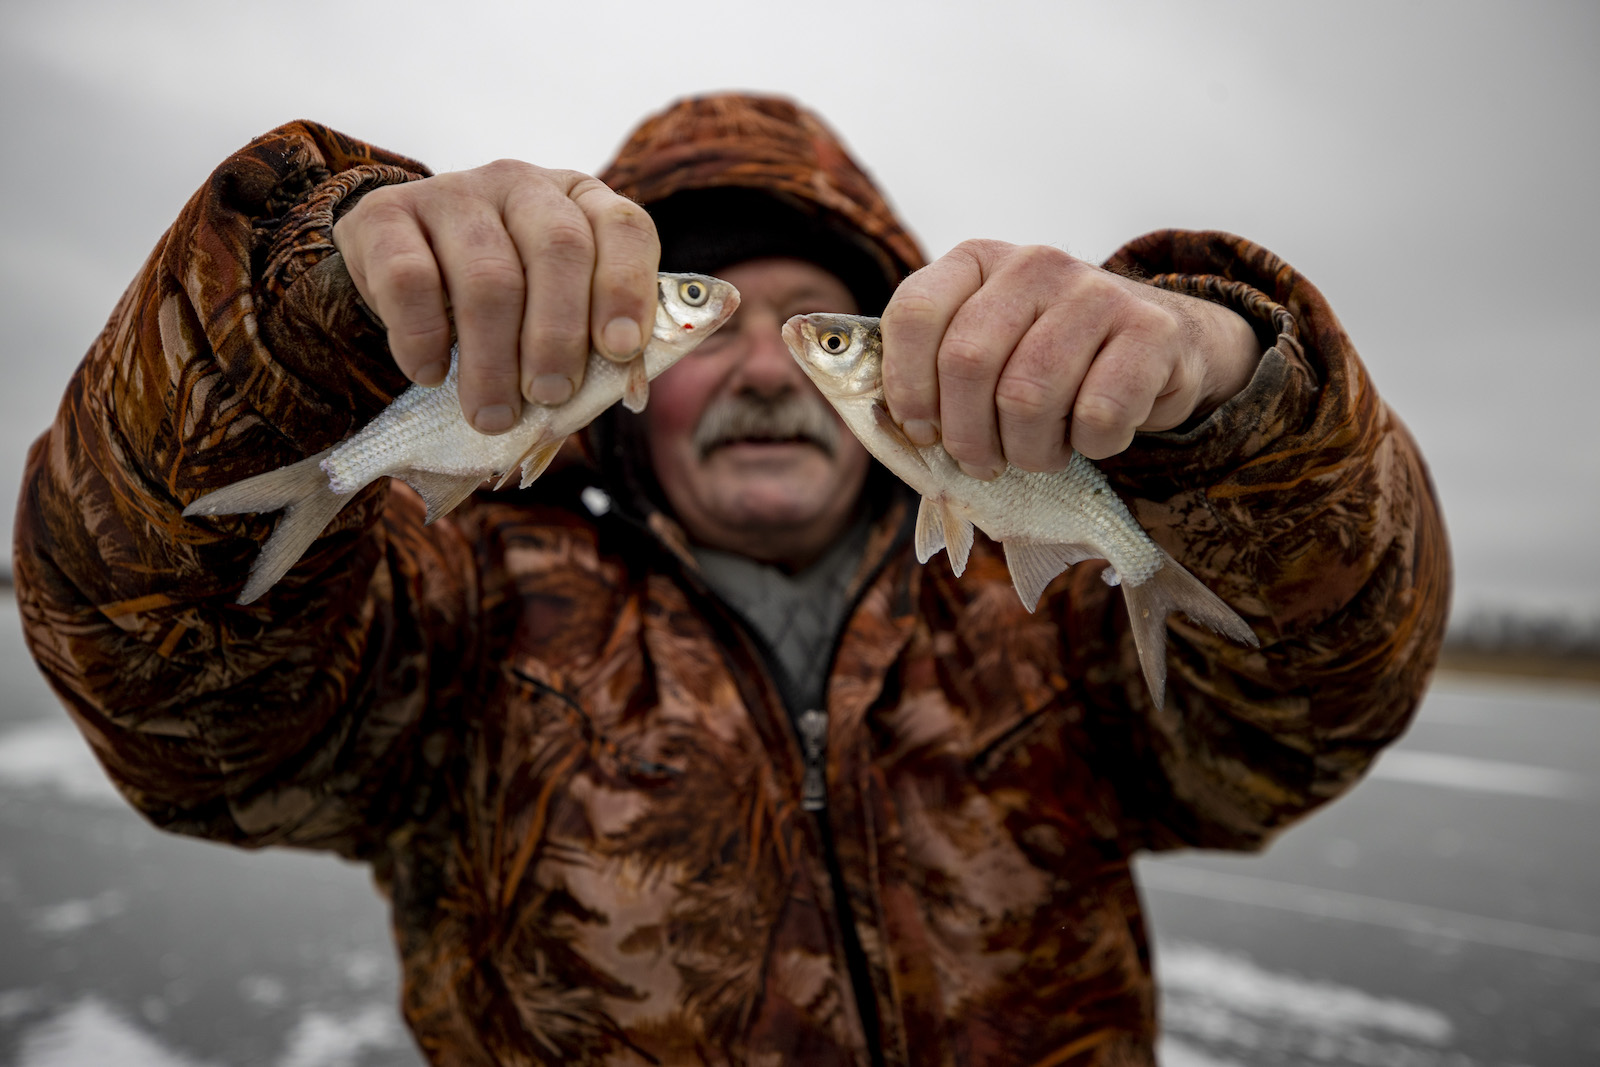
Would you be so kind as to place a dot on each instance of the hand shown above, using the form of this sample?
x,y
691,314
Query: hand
x,y
1021,354
533,265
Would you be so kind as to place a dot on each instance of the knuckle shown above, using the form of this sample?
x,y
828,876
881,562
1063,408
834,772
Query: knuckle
x,y
1101,414
557,338
624,213
627,292
980,250
419,331
567,240
494,279
1041,257
910,314
963,359
1022,400
383,206
501,376
410,275
968,448
1157,329
582,186
507,169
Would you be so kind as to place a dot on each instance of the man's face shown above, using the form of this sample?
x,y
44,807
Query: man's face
x,y
749,455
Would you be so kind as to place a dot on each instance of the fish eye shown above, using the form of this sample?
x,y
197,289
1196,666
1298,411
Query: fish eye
x,y
834,341
694,293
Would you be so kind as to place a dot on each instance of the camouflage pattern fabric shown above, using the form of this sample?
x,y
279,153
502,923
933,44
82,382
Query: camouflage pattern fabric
x,y
567,762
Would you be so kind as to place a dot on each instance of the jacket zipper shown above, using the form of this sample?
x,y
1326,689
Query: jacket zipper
x,y
812,738
812,725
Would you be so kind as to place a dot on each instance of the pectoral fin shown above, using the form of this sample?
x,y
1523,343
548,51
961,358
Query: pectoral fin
x,y
635,394
897,437
1034,564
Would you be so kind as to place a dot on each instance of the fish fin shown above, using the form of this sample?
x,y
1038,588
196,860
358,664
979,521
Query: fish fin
x,y
635,393
1174,589
891,429
930,530
264,492
441,492
301,523
1035,564
301,491
939,527
536,462
957,538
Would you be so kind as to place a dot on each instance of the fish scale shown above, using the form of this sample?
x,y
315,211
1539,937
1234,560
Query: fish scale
x,y
430,419
1026,506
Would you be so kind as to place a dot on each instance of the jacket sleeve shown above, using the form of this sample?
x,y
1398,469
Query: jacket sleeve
x,y
1304,503
240,347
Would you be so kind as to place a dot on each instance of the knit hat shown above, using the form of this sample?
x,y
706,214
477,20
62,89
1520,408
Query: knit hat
x,y
734,176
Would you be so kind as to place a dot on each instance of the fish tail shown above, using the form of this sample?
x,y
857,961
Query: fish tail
x,y
301,491
1173,589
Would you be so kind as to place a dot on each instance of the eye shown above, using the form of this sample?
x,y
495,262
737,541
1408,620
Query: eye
x,y
693,293
834,341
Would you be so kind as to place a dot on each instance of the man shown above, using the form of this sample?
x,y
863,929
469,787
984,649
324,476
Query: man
x,y
710,770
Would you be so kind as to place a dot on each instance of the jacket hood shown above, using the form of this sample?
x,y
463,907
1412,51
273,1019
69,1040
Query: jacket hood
x,y
735,176
768,144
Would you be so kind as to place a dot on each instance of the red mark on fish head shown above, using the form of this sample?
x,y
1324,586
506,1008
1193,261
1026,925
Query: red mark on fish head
x,y
688,326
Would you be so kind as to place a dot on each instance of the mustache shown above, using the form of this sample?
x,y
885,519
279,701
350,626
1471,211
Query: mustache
x,y
792,416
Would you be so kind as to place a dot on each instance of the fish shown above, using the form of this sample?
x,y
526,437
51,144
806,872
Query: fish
x,y
1046,521
423,439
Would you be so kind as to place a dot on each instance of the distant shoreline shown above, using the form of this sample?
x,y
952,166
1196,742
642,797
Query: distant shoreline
x,y
1519,664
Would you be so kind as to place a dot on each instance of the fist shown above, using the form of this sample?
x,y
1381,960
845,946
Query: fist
x,y
1020,354
535,267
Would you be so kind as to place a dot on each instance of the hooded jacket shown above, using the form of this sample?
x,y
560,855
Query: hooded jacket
x,y
568,762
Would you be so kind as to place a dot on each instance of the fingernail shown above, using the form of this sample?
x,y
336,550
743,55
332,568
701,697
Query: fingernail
x,y
432,373
983,474
921,432
621,338
495,418
550,389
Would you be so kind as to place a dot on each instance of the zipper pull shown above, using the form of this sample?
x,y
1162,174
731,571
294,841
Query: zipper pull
x,y
813,726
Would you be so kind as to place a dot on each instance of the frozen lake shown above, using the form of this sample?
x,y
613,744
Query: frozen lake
x,y
1444,913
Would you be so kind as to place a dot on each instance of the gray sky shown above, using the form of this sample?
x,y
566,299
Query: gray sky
x,y
1432,167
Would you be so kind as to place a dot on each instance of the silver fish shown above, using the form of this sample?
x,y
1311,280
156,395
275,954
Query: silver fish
x,y
1046,521
423,439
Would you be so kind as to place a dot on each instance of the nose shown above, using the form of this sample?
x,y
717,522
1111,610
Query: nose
x,y
767,368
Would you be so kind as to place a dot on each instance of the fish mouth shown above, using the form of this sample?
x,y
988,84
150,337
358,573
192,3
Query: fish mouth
x,y
792,338
730,304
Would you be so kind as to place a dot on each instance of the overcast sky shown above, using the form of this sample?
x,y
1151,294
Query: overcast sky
x,y
1432,167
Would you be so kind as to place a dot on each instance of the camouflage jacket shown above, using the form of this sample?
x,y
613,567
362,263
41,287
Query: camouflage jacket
x,y
568,763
